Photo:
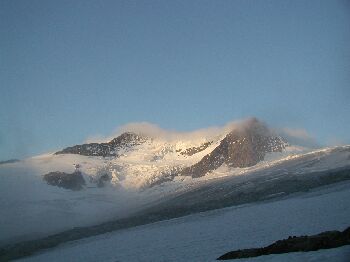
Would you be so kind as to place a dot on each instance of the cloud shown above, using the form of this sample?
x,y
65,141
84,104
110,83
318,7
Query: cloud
x,y
299,136
155,131
295,136
334,141
297,132
96,139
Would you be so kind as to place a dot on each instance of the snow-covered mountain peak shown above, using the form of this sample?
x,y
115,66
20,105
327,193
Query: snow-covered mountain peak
x,y
140,159
137,159
135,170
128,139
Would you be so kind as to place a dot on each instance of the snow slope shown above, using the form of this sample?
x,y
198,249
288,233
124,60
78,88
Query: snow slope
x,y
29,208
26,200
206,236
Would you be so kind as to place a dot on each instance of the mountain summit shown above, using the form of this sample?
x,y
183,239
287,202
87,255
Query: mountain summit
x,y
242,147
150,175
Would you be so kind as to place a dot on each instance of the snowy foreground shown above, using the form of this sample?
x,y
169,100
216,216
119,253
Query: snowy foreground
x,y
205,236
31,209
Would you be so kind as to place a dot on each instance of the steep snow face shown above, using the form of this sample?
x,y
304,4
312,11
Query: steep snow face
x,y
138,161
158,161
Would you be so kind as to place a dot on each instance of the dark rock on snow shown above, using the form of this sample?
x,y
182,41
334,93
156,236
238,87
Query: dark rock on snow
x,y
243,147
194,150
325,240
124,141
103,179
73,181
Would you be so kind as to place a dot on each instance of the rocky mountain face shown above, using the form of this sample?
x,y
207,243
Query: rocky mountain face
x,y
110,149
241,148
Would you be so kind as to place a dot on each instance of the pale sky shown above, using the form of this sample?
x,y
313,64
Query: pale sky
x,y
70,70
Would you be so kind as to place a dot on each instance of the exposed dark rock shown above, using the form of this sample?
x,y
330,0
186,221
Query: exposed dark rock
x,y
124,141
243,147
73,181
103,179
194,150
325,240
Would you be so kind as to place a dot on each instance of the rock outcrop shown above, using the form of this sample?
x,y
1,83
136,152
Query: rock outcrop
x,y
325,240
243,147
72,181
194,150
110,149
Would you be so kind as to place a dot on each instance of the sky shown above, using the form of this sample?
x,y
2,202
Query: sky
x,y
70,70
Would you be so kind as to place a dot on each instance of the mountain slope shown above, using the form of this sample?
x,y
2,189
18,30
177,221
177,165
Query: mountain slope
x,y
138,178
179,198
163,160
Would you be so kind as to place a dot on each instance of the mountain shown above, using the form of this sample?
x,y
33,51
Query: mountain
x,y
241,147
305,191
143,177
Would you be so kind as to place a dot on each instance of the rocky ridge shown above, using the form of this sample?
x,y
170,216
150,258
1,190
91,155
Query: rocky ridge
x,y
110,149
